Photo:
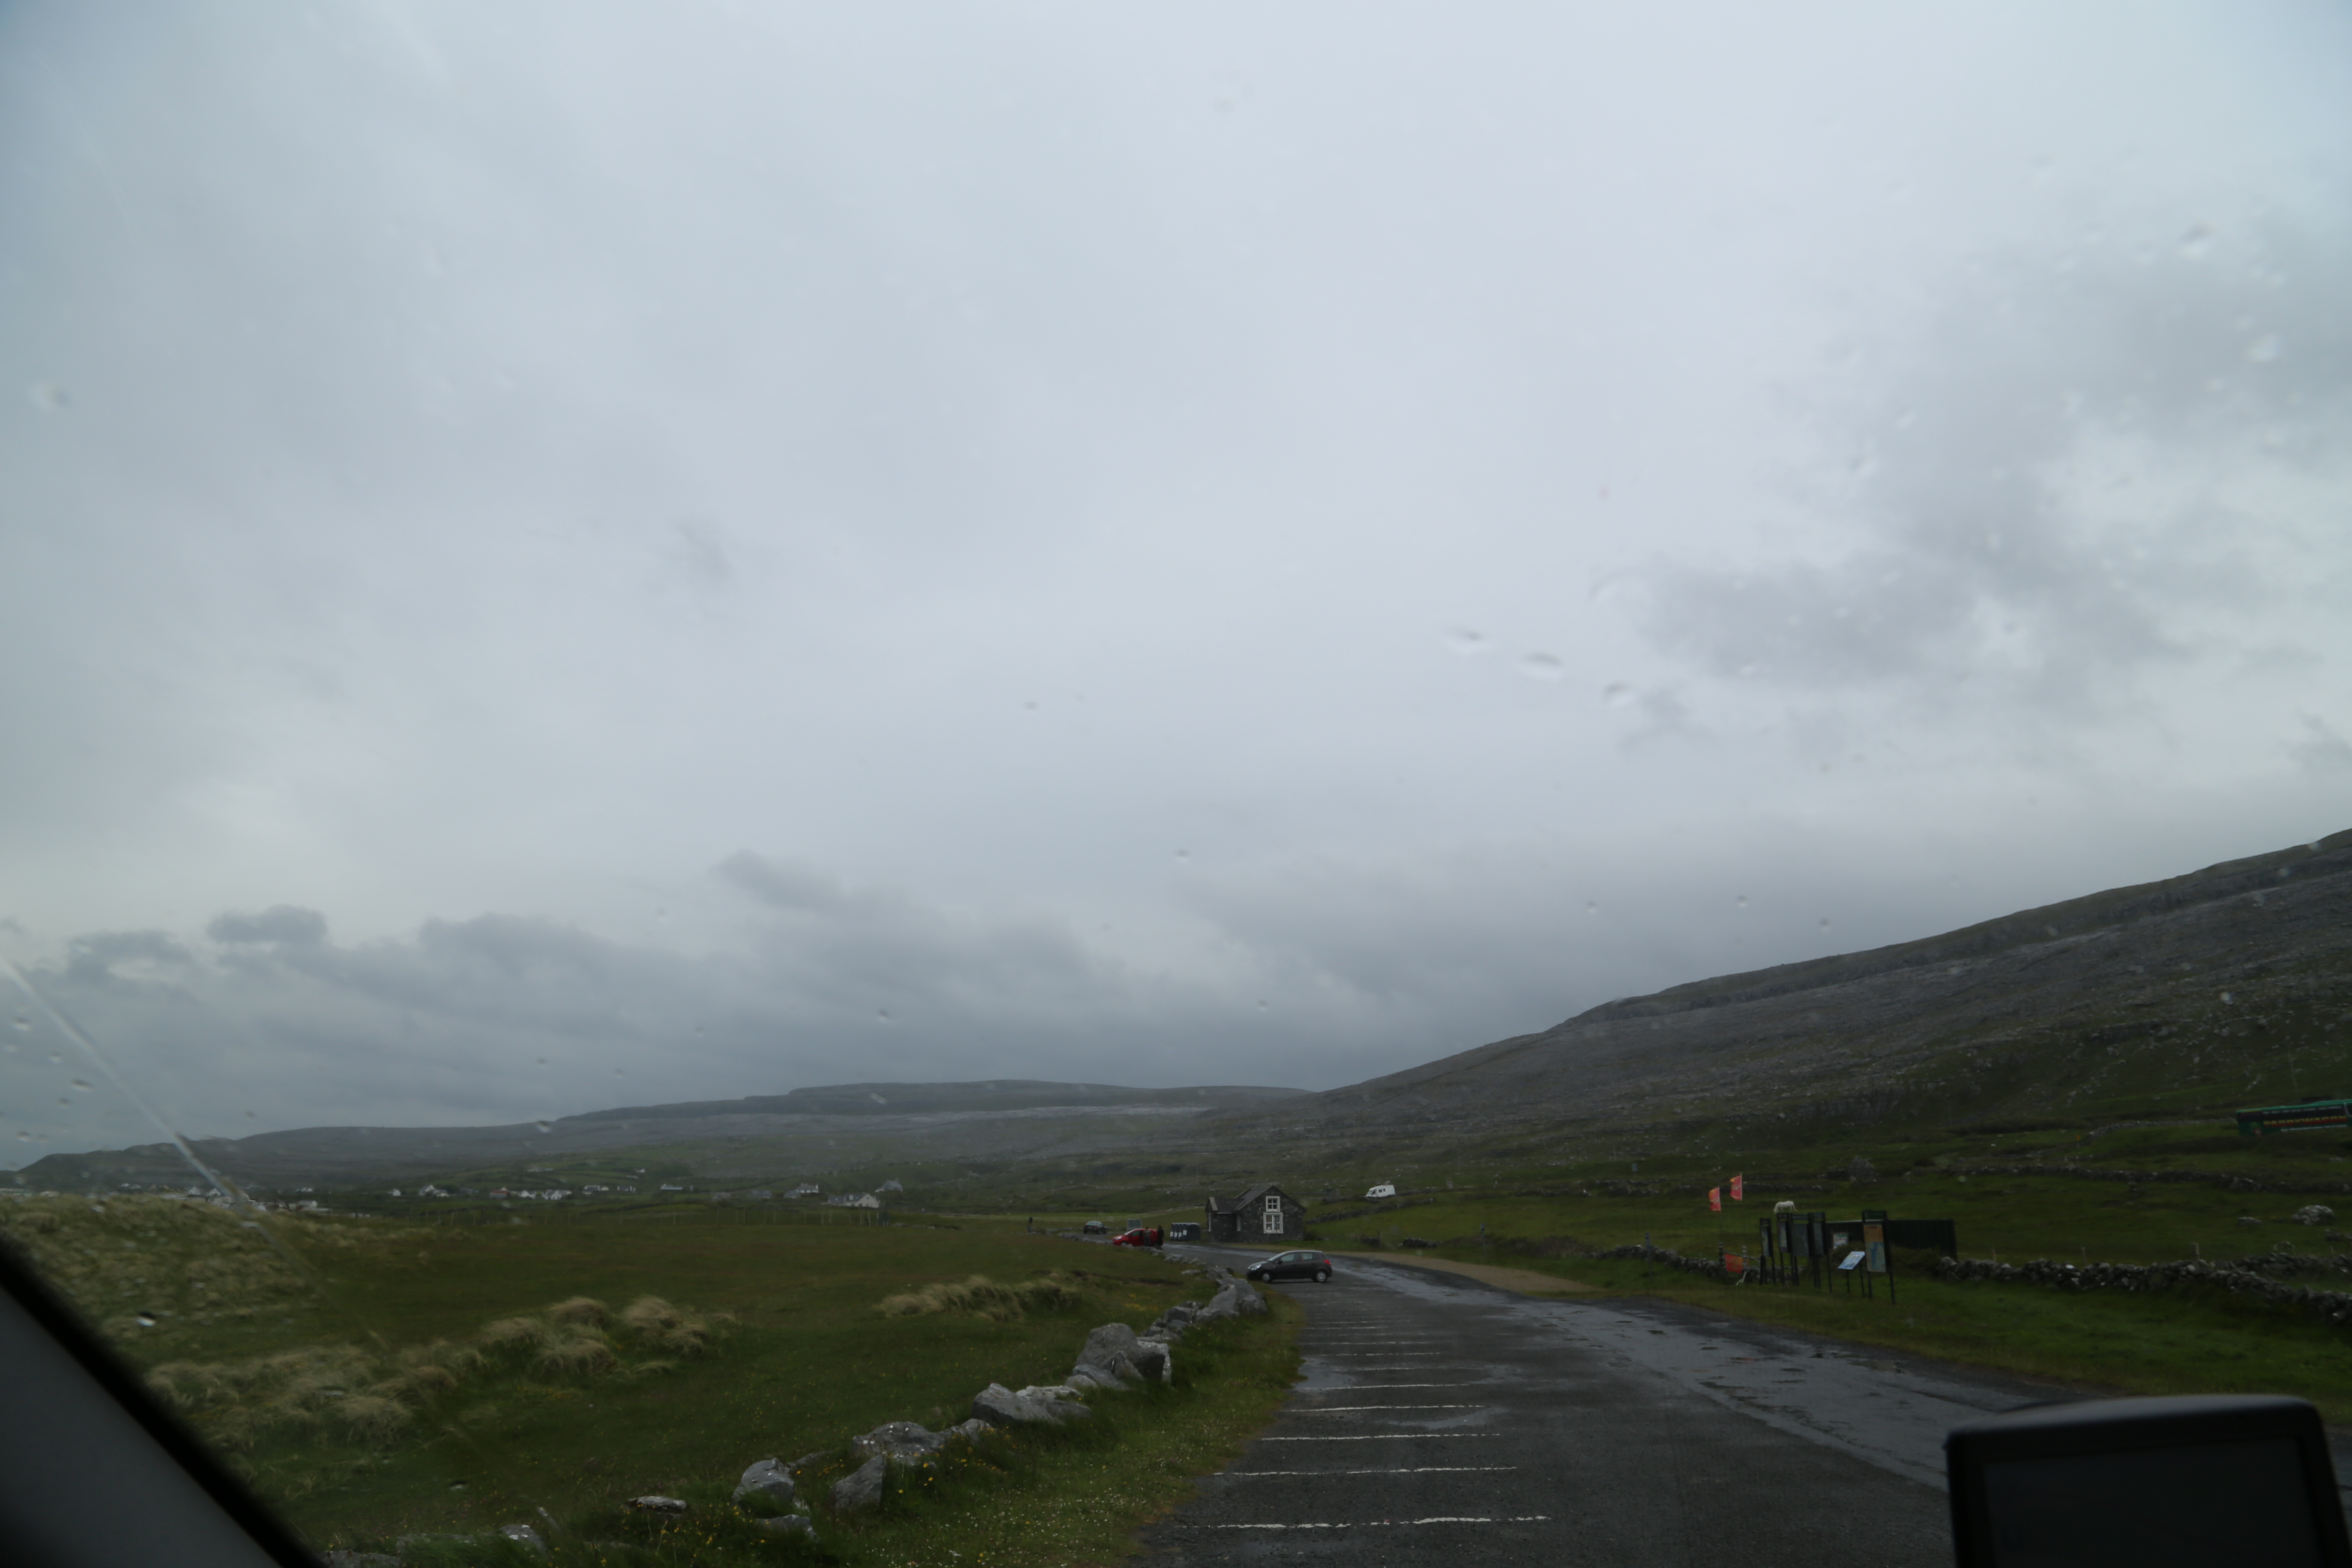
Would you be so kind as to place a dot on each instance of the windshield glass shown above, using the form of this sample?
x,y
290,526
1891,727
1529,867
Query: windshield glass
x,y
568,558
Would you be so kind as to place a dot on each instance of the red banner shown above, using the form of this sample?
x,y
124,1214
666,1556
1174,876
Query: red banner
x,y
1715,1199
1738,1196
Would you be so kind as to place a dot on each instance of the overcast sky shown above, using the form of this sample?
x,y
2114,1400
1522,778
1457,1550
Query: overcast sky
x,y
564,555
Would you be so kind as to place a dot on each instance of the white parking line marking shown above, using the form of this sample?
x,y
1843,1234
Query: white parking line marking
x,y
1378,1523
1381,1437
1407,1470
1336,1409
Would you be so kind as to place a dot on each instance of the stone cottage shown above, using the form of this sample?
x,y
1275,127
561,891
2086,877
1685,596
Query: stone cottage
x,y
1263,1214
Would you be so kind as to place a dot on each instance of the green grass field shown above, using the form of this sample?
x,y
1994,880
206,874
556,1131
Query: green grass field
x,y
426,1381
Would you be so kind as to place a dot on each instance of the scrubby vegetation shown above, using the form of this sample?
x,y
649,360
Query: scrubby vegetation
x,y
981,1297
349,1391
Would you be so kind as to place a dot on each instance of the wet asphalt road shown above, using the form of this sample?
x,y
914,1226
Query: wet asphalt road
x,y
1441,1420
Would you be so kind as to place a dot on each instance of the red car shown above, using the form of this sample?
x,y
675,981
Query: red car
x,y
1142,1236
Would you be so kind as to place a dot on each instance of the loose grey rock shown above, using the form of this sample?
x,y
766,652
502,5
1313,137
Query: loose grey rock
x,y
657,1503
1109,1337
900,1440
768,1480
525,1534
2247,1222
2314,1213
970,1431
1059,1399
998,1405
1154,1360
861,1489
791,1524
808,1462
1112,1357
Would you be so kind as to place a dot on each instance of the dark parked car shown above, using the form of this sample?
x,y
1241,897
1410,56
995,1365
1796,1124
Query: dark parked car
x,y
1315,1266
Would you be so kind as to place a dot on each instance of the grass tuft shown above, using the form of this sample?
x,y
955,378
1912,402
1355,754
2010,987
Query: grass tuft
x,y
981,1296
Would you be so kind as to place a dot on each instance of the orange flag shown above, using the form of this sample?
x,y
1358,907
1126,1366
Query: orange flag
x,y
1715,1199
1736,1195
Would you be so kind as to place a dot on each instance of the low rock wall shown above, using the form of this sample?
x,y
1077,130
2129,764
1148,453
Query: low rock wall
x,y
2257,1277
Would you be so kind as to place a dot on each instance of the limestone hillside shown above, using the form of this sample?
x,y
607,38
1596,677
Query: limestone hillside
x,y
2224,987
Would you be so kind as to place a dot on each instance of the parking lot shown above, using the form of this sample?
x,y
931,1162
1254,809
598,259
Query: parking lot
x,y
1441,1420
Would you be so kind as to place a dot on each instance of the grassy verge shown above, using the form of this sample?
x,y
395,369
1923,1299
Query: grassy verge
x,y
392,1382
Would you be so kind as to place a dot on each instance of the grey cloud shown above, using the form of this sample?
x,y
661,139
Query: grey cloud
x,y
93,957
279,923
2321,751
783,884
1978,557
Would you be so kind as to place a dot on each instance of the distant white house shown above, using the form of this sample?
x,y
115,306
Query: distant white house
x,y
808,1190
671,1187
853,1201
893,1186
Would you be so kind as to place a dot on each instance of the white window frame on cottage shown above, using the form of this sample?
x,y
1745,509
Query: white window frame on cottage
x,y
1272,1221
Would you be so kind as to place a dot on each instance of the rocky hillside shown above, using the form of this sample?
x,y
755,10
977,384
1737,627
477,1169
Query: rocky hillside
x,y
2226,986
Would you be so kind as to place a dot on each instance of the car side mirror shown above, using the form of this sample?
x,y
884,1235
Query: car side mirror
x,y
2150,1483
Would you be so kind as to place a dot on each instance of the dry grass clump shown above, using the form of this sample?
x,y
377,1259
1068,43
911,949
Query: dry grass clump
x,y
371,1417
981,1297
579,1357
368,1396
524,1336
655,1324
